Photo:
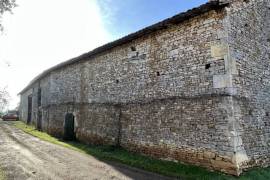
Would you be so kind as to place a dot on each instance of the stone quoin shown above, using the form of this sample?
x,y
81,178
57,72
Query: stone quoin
x,y
193,88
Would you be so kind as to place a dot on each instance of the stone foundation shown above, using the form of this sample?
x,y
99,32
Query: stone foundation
x,y
204,158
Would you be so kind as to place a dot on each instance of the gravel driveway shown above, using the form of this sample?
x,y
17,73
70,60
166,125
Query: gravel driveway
x,y
23,156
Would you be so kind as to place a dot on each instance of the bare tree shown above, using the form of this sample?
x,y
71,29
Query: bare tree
x,y
6,6
4,99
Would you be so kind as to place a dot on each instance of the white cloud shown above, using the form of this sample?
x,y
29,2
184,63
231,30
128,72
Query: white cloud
x,y
109,9
43,33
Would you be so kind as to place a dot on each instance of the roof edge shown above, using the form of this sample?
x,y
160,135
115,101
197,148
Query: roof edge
x,y
179,18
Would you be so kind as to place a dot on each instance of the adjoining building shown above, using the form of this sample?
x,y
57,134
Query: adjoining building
x,y
193,88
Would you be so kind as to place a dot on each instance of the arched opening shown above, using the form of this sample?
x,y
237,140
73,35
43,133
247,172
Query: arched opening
x,y
69,134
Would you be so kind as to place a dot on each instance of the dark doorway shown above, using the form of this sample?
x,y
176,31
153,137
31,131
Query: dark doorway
x,y
39,97
39,121
29,115
69,134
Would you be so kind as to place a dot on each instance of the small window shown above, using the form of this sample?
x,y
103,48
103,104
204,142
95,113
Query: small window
x,y
158,73
208,66
133,48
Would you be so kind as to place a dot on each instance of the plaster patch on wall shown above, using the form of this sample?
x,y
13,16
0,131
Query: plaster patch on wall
x,y
132,54
218,51
222,81
240,157
230,65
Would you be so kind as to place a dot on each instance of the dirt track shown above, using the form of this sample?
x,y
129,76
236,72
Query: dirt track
x,y
23,156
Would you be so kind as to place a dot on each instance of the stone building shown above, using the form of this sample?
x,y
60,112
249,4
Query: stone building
x,y
193,88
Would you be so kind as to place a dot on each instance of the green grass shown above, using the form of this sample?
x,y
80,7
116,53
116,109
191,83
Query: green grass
x,y
173,169
2,175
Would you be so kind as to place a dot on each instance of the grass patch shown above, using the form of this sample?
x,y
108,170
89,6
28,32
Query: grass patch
x,y
2,175
173,169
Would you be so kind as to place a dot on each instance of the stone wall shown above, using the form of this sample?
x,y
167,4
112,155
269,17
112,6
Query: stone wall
x,y
249,34
24,104
195,92
192,130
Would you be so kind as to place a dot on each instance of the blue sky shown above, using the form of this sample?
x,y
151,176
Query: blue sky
x,y
122,17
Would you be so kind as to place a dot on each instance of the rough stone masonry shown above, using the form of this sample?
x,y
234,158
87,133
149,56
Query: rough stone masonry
x,y
193,88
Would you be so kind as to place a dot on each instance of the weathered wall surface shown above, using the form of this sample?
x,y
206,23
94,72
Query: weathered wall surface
x,y
168,63
181,93
193,130
24,105
249,40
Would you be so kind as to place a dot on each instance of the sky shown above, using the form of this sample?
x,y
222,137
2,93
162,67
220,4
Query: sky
x,y
42,33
